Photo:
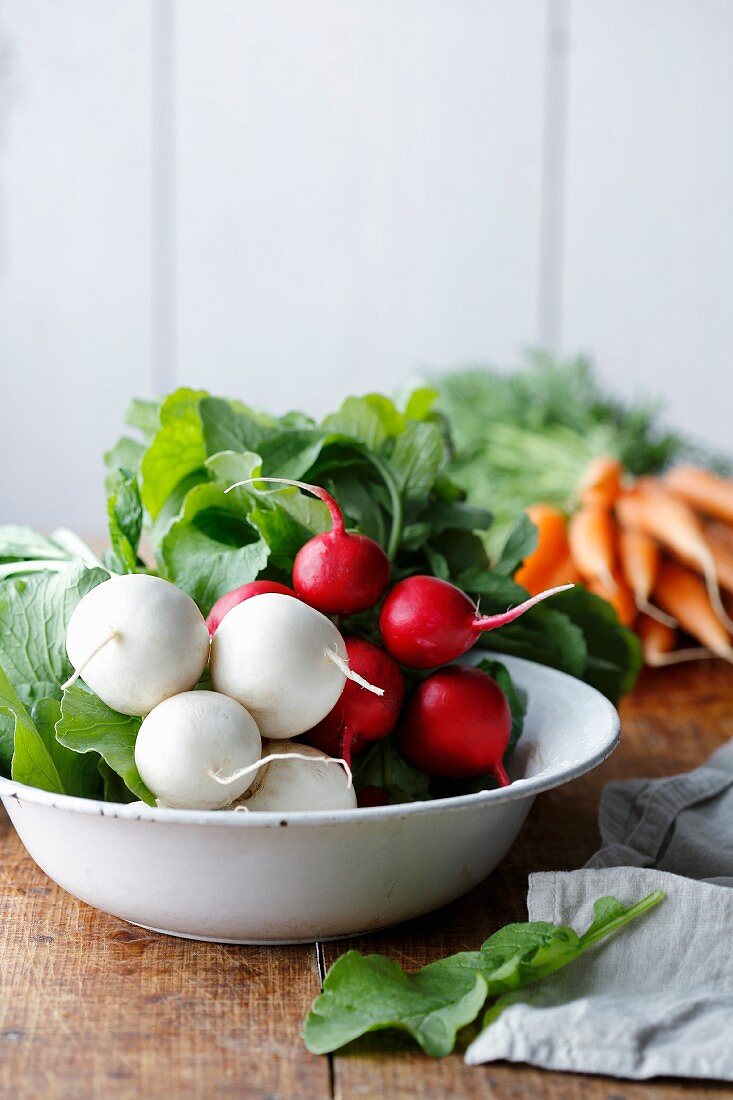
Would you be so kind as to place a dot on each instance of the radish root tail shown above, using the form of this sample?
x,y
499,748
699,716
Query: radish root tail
x,y
98,649
349,673
278,758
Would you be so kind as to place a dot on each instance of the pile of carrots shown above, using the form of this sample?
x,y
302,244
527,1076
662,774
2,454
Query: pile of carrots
x,y
660,550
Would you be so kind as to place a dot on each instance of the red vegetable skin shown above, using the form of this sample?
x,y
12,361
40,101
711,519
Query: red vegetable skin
x,y
457,725
229,600
338,573
360,716
372,796
426,622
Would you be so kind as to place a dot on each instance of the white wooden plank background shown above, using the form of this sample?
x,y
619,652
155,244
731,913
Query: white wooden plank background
x,y
74,248
358,190
292,201
649,202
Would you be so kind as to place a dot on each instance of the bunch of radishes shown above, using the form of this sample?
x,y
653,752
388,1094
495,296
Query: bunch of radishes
x,y
280,669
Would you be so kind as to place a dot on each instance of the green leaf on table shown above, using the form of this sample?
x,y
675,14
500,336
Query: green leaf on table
x,y
125,522
87,725
369,993
522,541
212,547
178,448
34,615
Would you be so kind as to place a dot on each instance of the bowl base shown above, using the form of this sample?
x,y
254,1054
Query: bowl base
x,y
253,943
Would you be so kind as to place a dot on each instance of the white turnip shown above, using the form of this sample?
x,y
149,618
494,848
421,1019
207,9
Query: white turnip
x,y
137,640
283,661
189,739
303,778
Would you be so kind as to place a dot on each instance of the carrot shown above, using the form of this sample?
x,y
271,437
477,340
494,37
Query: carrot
x,y
564,573
640,557
592,538
719,538
703,490
683,594
552,547
601,481
657,642
652,510
621,598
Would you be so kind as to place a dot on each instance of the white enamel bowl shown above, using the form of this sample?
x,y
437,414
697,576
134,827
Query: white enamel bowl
x,y
272,878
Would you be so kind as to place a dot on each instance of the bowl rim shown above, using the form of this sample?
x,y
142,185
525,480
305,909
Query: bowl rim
x,y
517,790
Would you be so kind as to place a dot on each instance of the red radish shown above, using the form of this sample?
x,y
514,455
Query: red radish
x,y
372,796
457,725
359,716
426,622
229,600
338,573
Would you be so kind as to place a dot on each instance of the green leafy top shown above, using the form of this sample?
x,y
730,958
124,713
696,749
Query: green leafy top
x,y
365,993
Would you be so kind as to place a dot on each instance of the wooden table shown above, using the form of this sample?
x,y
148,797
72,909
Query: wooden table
x,y
94,1007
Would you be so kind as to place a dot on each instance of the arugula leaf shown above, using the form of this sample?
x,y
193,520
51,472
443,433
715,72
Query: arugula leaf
x,y
34,614
125,520
370,993
89,725
178,448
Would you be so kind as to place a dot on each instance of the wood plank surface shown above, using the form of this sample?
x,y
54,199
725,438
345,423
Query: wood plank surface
x,y
92,1007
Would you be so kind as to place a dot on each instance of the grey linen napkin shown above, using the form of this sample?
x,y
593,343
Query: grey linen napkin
x,y
657,999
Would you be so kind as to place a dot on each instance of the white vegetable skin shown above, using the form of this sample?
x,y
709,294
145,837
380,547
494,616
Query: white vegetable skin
x,y
271,654
283,786
186,739
157,646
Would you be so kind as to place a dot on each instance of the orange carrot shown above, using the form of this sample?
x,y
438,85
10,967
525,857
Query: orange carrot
x,y
552,547
640,559
703,490
564,573
683,594
601,481
592,537
621,598
654,511
719,538
658,641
